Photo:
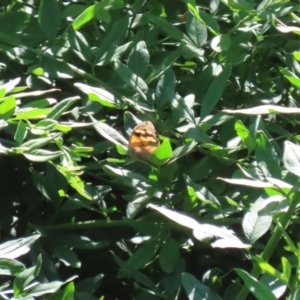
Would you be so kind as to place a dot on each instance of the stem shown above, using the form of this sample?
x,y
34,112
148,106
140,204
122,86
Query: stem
x,y
272,243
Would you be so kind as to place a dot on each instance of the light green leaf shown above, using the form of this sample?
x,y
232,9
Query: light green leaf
x,y
7,107
290,76
84,17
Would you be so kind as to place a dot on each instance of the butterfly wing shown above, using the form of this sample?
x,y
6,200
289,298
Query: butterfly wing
x,y
143,141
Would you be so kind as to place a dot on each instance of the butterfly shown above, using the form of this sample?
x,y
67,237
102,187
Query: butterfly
x,y
143,141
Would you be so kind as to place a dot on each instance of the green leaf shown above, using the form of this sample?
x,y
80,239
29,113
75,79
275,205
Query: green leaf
x,y
69,291
50,183
264,109
214,93
165,89
128,177
165,65
109,133
75,182
20,132
221,43
280,26
80,45
34,144
32,114
255,225
243,132
8,86
26,277
162,153
61,107
196,134
137,275
86,16
259,290
197,290
182,151
44,288
291,158
49,17
211,22
138,60
100,95
183,108
79,241
241,5
295,294
67,256
204,18
10,39
15,248
109,44
169,29
286,269
296,55
39,104
57,68
266,156
191,223
201,192
196,31
10,267
143,255
114,55
267,268
291,77
169,255
40,155
102,15
7,107
134,81
89,284
273,183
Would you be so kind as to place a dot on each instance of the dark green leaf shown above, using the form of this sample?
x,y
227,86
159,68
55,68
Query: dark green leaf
x,y
138,60
169,256
266,156
49,17
214,93
196,31
197,290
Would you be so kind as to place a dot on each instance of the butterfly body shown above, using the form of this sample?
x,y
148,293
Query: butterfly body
x,y
143,140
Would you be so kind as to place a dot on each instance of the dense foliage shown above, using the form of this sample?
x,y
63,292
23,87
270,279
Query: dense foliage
x,y
215,217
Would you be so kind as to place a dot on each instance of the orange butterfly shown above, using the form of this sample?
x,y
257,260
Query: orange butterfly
x,y
143,141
